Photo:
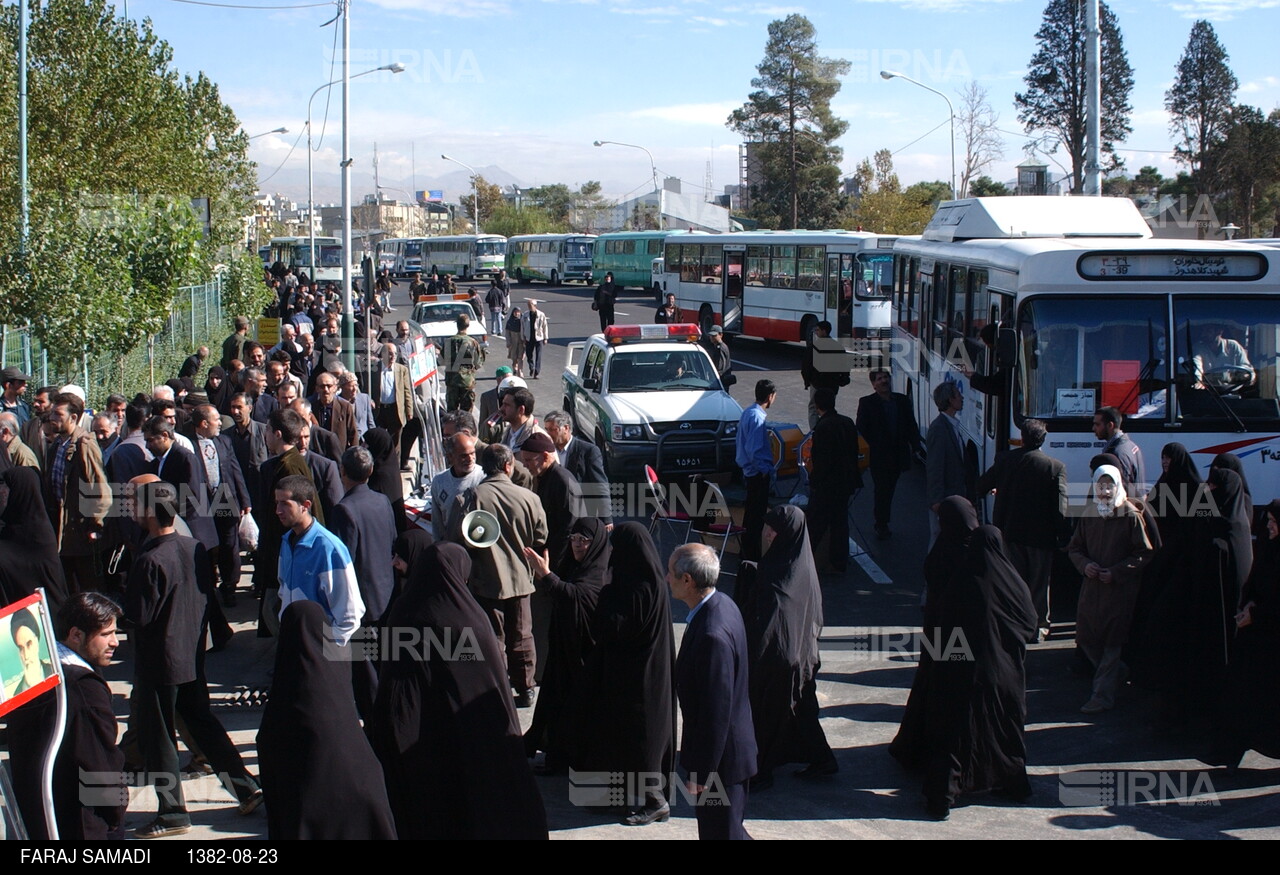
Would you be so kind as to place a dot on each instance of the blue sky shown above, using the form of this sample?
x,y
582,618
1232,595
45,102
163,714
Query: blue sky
x,y
528,85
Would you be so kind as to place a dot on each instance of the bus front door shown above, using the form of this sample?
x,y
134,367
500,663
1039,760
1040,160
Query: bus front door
x,y
731,302
838,309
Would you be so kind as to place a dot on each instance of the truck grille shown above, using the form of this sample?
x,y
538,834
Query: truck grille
x,y
693,425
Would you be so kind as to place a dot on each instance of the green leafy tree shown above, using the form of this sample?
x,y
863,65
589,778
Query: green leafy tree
x,y
1249,165
1053,106
243,291
1199,103
884,207
589,207
985,186
789,115
490,199
509,221
555,200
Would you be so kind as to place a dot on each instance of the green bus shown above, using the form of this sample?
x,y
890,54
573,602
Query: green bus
x,y
629,256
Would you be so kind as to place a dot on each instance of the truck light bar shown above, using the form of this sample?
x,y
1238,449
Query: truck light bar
x,y
617,334
435,299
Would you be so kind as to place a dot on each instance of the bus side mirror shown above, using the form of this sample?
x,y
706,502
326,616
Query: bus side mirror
x,y
1006,349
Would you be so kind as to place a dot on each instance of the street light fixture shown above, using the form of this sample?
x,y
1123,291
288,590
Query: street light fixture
x,y
891,74
311,207
475,187
267,133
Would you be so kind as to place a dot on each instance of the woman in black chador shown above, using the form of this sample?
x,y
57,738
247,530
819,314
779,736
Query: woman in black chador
x,y
28,546
783,625
317,766
976,740
1251,716
626,703
575,590
942,567
444,724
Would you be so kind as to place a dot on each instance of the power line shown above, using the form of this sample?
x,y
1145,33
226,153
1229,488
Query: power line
x,y
282,163
328,95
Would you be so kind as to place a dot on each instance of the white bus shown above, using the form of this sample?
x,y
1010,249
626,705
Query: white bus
x,y
1181,336
295,252
466,256
555,258
779,285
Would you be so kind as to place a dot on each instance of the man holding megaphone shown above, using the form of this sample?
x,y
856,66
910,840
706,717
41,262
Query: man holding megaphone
x,y
501,579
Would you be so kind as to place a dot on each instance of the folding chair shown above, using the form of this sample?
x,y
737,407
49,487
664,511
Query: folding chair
x,y
662,509
723,530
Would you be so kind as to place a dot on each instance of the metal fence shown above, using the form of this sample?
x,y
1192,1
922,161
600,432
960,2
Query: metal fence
x,y
196,319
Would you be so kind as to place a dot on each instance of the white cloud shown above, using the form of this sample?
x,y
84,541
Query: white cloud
x,y
1221,10
1264,84
688,113
764,9
451,8
647,11
714,22
1150,117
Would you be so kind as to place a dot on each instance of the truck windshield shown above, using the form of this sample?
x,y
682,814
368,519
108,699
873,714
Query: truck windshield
x,y
681,370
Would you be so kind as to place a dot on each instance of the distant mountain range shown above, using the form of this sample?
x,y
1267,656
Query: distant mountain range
x,y
328,186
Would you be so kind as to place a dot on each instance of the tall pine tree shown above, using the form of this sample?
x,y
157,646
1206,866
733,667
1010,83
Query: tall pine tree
x,y
1199,104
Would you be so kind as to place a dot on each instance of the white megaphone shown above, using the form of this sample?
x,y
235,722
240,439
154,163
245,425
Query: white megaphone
x,y
480,529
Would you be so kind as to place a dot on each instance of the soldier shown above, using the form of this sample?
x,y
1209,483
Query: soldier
x,y
463,358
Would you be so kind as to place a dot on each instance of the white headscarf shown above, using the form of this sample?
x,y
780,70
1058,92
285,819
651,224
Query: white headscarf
x,y
1108,508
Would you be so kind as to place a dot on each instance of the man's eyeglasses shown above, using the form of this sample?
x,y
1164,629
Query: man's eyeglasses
x,y
579,539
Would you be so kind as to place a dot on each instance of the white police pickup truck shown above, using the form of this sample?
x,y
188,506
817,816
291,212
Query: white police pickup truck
x,y
649,395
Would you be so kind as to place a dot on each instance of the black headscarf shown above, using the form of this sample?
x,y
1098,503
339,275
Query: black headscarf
x,y
627,698
386,472
316,764
445,727
220,397
574,591
1174,492
1263,585
1233,525
28,546
1231,462
782,632
956,521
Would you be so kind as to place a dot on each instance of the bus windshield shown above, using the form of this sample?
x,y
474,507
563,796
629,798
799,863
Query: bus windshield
x,y
877,276
1227,347
1080,354
413,249
577,249
491,247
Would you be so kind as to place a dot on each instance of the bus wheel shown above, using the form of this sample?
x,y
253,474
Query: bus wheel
x,y
808,325
555,278
705,320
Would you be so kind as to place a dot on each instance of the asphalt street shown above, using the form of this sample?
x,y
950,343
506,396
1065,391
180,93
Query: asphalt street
x,y
1119,774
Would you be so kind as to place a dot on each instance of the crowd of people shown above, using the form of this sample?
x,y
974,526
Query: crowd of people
x,y
404,651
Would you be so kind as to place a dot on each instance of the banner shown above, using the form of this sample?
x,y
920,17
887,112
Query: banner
x,y
27,653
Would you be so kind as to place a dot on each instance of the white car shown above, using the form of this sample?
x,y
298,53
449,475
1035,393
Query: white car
x,y
650,395
439,319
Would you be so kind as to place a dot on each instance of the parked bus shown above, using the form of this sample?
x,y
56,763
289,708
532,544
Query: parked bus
x,y
779,285
467,256
629,256
295,252
1181,336
555,258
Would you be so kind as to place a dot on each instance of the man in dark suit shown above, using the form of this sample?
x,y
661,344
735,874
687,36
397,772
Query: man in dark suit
x,y
887,423
322,442
582,459
229,496
333,412
365,523
1031,511
285,436
248,439
945,471
834,481
324,474
717,745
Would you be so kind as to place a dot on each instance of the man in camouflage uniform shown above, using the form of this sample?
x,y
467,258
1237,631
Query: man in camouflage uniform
x,y
463,358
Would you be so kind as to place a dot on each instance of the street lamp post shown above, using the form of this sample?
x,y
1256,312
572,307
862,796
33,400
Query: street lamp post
x,y
475,187
653,168
268,133
311,206
890,74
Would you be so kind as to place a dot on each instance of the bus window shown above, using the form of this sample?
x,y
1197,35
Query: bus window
x,y
875,277
809,275
1229,346
782,267
757,265
1081,354
712,255
958,327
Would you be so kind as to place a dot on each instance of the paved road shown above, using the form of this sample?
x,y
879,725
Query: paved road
x,y
1091,775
